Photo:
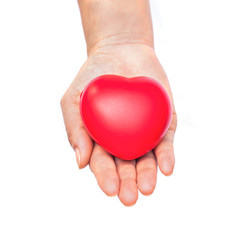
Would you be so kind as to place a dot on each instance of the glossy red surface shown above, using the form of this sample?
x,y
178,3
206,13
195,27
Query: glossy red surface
x,y
126,116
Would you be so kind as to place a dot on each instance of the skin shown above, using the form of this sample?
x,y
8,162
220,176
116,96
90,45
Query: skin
x,y
130,54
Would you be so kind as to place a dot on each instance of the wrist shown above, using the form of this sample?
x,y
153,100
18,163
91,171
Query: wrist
x,y
119,39
108,22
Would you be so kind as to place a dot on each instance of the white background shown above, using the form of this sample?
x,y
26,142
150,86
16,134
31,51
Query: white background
x,y
43,195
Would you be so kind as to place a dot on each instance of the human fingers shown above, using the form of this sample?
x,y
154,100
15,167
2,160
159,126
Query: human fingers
x,y
103,167
164,151
128,192
146,173
78,137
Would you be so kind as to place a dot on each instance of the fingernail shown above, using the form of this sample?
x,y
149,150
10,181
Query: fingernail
x,y
77,156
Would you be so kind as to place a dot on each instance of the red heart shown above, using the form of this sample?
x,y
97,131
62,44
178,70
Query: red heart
x,y
126,116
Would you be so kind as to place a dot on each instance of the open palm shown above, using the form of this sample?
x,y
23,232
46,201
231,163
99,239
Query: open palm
x,y
116,176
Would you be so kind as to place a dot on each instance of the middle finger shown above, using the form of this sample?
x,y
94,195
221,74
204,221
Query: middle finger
x,y
128,192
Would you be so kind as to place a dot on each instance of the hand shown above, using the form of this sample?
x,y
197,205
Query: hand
x,y
116,176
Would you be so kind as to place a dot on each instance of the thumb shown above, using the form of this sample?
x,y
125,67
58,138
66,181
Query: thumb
x,y
78,137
